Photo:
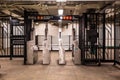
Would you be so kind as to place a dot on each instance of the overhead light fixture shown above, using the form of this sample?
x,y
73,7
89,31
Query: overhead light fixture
x,y
60,11
60,29
61,0
36,23
61,17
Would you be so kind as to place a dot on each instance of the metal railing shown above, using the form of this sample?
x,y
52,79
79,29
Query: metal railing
x,y
4,38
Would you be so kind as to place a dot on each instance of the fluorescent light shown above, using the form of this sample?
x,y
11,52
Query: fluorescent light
x,y
59,40
60,30
60,12
61,0
61,17
37,23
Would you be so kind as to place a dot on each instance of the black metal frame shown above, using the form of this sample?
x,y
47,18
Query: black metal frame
x,y
17,40
116,33
100,55
94,57
14,45
110,49
5,36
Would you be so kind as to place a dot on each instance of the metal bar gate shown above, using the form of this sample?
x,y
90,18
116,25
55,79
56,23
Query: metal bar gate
x,y
96,42
12,38
4,37
17,39
117,34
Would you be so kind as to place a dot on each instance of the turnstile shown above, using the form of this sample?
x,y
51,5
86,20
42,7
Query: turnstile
x,y
46,53
32,54
77,53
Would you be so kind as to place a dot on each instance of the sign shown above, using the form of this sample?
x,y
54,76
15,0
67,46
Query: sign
x,y
44,17
50,17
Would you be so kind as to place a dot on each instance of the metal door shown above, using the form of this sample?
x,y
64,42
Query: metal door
x,y
17,39
97,39
92,37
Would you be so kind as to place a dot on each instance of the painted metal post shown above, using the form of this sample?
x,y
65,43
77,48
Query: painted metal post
x,y
11,43
104,36
115,35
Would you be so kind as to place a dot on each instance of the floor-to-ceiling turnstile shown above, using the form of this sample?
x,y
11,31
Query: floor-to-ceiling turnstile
x,y
96,37
91,37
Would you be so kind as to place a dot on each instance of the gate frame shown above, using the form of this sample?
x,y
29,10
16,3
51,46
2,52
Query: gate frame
x,y
7,18
82,47
12,24
104,48
115,22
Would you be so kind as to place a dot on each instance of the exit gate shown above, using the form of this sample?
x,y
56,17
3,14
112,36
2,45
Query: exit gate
x,y
17,39
97,41
12,38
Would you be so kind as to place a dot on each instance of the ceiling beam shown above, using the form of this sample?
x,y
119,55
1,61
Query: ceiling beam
x,y
7,12
106,6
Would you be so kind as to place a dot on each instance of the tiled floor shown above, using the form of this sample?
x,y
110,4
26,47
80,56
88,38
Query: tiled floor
x,y
14,70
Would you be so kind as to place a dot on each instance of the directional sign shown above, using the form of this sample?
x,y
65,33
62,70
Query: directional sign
x,y
50,17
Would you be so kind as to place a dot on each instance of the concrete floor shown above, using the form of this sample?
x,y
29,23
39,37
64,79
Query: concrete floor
x,y
14,70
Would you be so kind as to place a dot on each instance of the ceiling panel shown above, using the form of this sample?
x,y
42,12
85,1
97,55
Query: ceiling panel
x,y
50,7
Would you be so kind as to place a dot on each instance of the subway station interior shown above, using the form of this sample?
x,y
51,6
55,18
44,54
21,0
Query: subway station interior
x,y
59,40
